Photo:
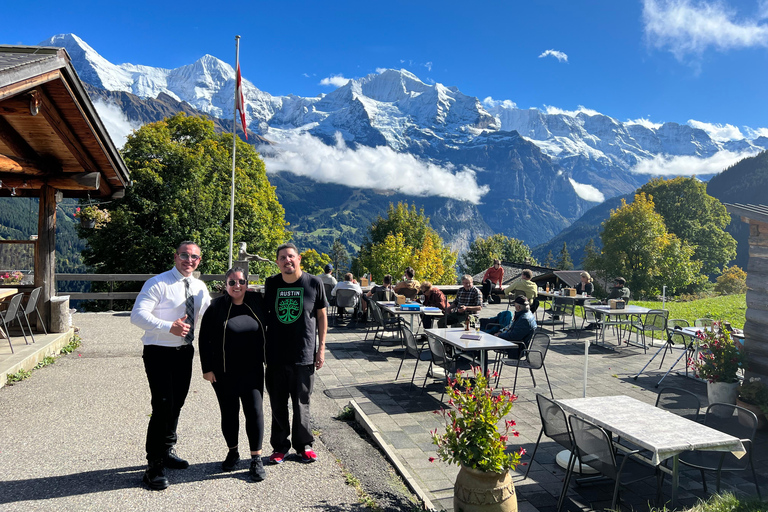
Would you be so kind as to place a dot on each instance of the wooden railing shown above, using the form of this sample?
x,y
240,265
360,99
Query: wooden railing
x,y
112,279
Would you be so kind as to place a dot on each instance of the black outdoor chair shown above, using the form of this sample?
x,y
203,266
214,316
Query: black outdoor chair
x,y
383,324
331,300
680,402
736,421
413,349
346,299
554,425
441,359
409,293
594,448
532,358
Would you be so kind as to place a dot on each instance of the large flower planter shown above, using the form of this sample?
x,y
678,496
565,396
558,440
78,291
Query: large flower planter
x,y
762,420
477,490
722,392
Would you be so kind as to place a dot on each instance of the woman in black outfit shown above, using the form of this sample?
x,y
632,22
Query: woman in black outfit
x,y
585,285
232,356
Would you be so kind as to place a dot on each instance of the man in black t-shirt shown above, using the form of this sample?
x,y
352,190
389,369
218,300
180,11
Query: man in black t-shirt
x,y
295,303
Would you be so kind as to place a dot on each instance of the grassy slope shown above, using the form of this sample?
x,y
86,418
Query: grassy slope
x,y
731,308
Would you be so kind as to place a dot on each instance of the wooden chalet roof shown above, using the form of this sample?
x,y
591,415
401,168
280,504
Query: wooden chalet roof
x,y
50,132
758,212
513,270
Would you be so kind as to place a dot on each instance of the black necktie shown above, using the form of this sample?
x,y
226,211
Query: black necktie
x,y
190,310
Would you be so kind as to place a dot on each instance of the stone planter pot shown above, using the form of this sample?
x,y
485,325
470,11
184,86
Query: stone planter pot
x,y
722,392
88,223
762,419
477,490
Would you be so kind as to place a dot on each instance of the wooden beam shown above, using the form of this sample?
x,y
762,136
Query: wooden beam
x,y
80,181
45,258
16,165
16,142
17,88
65,133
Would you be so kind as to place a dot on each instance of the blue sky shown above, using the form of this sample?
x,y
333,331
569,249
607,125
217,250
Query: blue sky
x,y
663,60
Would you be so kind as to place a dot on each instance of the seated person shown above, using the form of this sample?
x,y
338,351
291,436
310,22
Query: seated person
x,y
326,277
619,290
432,298
493,278
523,286
407,282
380,291
497,323
349,283
522,327
468,301
585,285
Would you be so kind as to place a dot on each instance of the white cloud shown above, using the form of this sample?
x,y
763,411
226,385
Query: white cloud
x,y
753,133
428,65
685,27
378,168
664,165
305,75
115,121
645,122
718,132
491,103
334,80
380,70
587,192
581,110
560,56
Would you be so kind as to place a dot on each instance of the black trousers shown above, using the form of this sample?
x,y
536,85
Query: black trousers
x,y
294,382
169,372
487,287
246,387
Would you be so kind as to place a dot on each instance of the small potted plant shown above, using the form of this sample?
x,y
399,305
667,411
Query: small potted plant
x,y
718,362
753,395
473,440
11,278
92,217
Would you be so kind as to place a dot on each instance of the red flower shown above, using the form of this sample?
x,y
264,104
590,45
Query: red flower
x,y
431,459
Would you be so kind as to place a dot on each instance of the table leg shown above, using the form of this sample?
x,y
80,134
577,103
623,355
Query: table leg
x,y
483,361
675,478
586,364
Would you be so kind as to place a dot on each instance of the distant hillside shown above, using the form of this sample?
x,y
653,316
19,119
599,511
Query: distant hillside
x,y
745,182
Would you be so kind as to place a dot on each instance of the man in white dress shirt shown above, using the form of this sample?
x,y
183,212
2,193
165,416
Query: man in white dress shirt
x,y
168,309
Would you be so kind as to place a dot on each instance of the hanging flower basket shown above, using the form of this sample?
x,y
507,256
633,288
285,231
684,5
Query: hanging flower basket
x,y
92,217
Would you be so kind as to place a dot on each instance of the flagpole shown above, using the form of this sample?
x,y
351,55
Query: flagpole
x,y
234,146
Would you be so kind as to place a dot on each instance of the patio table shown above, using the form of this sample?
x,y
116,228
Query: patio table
x,y
664,434
394,309
483,343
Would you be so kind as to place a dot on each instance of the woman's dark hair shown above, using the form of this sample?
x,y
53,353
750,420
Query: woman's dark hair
x,y
232,271
387,279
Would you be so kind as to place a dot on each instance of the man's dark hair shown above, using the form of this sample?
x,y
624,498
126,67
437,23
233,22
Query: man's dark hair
x,y
409,273
620,280
286,246
187,242
387,279
527,273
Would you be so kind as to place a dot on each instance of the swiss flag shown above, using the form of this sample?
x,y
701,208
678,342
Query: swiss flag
x,y
239,102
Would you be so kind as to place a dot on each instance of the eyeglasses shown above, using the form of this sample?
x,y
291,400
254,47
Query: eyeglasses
x,y
238,281
186,256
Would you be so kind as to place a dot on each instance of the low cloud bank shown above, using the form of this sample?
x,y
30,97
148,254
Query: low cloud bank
x,y
587,192
665,165
378,168
115,121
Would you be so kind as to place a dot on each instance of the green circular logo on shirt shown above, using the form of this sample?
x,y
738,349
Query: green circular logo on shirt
x,y
290,302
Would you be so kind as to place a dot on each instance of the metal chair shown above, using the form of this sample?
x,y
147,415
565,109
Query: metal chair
x,y
30,308
593,447
736,421
409,293
346,299
411,348
680,402
13,313
441,359
654,321
560,308
391,324
703,322
331,300
554,425
533,358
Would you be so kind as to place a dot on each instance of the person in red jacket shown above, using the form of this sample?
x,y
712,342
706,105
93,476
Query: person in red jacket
x,y
493,278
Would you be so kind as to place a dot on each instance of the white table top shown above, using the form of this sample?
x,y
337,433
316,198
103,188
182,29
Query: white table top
x,y
7,292
629,309
391,307
663,433
453,336
553,295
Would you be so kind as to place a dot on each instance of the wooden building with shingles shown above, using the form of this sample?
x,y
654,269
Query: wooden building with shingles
x,y
52,144
756,326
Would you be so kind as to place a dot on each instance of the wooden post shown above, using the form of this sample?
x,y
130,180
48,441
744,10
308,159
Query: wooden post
x,y
756,326
45,258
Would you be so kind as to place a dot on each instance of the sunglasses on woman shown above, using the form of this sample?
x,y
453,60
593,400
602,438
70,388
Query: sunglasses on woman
x,y
238,281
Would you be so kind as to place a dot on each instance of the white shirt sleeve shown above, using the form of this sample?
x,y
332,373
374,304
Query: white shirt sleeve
x,y
142,313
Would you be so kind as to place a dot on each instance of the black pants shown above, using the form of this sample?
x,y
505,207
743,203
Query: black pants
x,y
169,372
487,287
292,382
246,387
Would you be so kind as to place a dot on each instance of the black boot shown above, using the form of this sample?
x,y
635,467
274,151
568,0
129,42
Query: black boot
x,y
173,461
154,476
257,471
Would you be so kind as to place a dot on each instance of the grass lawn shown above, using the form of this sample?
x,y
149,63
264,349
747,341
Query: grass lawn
x,y
731,308
726,503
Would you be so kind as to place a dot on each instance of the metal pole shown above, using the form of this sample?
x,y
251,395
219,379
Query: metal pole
x,y
234,146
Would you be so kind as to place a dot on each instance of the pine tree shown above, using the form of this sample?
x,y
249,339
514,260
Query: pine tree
x,y
565,262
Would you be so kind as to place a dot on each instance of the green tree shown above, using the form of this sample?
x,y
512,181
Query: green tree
x,y
181,173
339,257
695,217
313,262
733,280
550,261
483,251
565,262
636,245
405,238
